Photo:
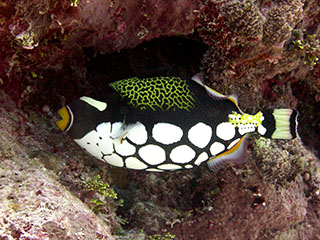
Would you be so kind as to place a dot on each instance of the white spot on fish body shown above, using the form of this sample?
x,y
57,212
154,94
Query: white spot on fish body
x,y
135,163
201,158
262,130
104,128
154,170
188,166
169,166
225,131
182,154
114,160
152,154
216,148
124,148
138,134
166,133
200,135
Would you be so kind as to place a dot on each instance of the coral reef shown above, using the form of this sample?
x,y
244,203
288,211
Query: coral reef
x,y
248,45
281,19
243,17
266,51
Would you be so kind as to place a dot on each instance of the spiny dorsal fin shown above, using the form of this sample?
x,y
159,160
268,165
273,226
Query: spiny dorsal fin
x,y
198,78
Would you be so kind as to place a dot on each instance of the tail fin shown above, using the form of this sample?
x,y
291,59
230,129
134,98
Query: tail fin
x,y
279,124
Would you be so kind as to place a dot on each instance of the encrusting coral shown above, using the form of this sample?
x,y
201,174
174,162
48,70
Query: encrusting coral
x,y
281,19
243,17
247,44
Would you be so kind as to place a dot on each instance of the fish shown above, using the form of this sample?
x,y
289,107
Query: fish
x,y
167,123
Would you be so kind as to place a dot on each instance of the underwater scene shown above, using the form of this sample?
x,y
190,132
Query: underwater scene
x,y
160,120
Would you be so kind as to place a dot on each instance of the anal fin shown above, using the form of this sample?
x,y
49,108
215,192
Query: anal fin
x,y
236,154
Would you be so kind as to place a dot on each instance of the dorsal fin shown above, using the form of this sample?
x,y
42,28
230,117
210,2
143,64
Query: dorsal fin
x,y
198,78
219,96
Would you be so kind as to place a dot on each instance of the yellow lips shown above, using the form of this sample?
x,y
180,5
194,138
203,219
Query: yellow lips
x,y
64,122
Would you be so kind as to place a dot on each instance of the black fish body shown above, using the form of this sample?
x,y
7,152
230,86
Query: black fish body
x,y
167,123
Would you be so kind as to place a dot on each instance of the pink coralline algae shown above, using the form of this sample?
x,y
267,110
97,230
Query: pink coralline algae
x,y
113,25
40,38
33,203
105,25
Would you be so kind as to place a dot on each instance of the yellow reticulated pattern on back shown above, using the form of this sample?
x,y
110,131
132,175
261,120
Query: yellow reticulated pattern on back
x,y
157,93
242,119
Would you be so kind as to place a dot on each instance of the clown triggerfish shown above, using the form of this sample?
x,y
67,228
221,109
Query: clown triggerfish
x,y
168,123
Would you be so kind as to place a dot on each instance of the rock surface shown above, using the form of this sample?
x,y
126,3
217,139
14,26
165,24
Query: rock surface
x,y
33,203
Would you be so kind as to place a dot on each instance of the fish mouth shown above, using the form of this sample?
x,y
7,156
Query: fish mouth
x,y
66,120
